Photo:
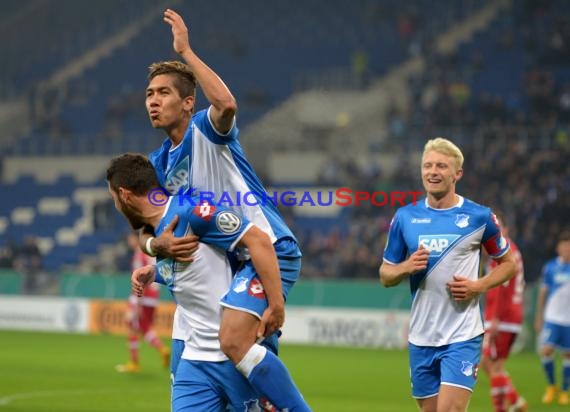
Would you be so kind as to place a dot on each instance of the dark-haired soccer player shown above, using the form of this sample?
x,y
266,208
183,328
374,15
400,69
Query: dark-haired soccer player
x,y
205,380
203,153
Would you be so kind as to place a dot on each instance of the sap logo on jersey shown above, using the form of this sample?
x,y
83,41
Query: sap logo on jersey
x,y
561,277
436,244
178,178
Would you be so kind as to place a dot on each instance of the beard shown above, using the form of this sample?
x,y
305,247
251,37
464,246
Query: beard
x,y
135,222
134,218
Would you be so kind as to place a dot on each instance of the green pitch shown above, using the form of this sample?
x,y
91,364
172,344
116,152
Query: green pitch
x,y
43,372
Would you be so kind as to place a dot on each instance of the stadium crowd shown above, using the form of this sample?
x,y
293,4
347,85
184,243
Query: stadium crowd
x,y
517,148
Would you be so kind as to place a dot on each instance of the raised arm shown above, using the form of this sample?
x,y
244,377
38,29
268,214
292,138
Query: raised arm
x,y
224,106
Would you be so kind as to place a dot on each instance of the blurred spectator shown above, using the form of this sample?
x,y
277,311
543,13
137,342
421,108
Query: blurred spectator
x,y
104,215
518,143
7,253
360,68
28,261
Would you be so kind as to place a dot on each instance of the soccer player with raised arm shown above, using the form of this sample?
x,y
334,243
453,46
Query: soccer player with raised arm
x,y
436,243
552,320
205,379
503,322
203,153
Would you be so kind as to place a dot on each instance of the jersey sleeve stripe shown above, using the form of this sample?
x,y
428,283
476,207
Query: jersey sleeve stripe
x,y
235,242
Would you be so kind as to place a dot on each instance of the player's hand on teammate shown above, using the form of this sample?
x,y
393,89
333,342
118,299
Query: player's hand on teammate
x,y
272,320
178,248
180,42
463,289
141,278
418,260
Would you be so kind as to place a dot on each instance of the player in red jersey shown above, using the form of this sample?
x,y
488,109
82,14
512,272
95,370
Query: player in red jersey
x,y
503,322
140,314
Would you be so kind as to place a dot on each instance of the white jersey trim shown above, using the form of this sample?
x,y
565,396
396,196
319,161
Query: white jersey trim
x,y
234,244
214,127
392,263
457,386
225,305
495,257
425,397
450,249
458,204
166,207
173,148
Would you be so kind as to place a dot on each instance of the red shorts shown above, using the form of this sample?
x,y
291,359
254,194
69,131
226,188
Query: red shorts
x,y
500,346
141,318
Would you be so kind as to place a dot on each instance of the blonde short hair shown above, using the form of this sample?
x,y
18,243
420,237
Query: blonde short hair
x,y
446,147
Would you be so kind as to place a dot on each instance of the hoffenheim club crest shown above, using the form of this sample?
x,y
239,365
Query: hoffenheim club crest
x,y
466,368
462,220
240,284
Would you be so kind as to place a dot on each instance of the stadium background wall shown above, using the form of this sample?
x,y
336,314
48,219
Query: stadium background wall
x,y
338,313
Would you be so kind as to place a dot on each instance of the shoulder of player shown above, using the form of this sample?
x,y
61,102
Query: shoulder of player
x,y
199,116
164,147
405,213
549,265
410,208
208,211
476,210
202,123
472,205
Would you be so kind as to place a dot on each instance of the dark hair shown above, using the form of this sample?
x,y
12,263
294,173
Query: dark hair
x,y
564,236
134,172
184,79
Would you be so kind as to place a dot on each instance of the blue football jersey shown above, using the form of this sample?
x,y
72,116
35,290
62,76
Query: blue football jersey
x,y
216,226
555,273
556,279
209,162
197,287
454,237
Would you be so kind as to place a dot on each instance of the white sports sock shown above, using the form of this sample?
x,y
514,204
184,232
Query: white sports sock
x,y
254,355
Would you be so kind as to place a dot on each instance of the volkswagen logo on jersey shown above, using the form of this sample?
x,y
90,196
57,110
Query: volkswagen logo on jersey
x,y
462,220
437,244
228,222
